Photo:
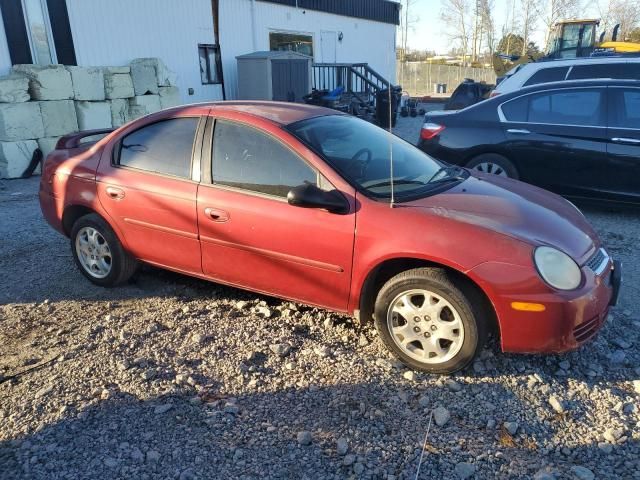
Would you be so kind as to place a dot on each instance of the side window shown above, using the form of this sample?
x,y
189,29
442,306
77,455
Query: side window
x,y
246,158
572,107
162,147
624,112
516,110
546,75
569,107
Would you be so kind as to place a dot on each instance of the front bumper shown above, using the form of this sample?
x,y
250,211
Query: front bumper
x,y
569,319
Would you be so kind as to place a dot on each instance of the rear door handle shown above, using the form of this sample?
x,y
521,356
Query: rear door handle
x,y
633,141
216,214
520,131
115,193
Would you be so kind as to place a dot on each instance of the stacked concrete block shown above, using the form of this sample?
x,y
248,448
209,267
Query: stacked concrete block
x,y
47,82
68,99
15,157
118,83
119,111
20,121
88,83
150,103
164,76
169,97
136,111
14,89
144,79
93,115
47,145
58,117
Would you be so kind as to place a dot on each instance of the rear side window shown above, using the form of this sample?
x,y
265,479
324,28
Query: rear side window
x,y
246,158
624,111
162,147
608,70
546,75
568,107
516,110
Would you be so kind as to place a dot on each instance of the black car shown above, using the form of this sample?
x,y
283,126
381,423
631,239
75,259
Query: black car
x,y
468,93
580,139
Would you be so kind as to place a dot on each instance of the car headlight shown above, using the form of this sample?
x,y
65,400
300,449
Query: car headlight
x,y
557,268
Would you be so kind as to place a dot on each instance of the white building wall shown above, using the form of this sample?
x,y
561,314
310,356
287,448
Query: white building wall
x,y
114,32
245,27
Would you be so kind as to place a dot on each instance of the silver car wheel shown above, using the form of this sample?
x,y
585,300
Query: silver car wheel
x,y
93,252
425,326
490,167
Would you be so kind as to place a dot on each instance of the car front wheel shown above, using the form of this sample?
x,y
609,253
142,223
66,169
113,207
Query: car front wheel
x,y
428,322
99,254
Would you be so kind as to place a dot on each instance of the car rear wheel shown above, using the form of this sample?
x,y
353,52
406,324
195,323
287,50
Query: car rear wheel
x,y
428,322
495,164
99,254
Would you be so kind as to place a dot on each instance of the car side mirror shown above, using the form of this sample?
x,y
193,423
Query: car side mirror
x,y
310,196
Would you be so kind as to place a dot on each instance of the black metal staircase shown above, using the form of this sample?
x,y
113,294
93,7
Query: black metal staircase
x,y
361,82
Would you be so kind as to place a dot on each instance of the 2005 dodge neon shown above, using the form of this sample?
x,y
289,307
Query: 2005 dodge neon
x,y
298,202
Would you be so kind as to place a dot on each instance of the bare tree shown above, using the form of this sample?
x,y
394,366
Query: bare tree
x,y
488,24
552,11
626,13
458,17
509,28
529,9
408,20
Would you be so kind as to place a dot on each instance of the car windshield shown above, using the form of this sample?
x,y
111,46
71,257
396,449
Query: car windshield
x,y
361,152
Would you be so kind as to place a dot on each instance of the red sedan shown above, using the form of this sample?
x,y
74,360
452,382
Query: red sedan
x,y
297,202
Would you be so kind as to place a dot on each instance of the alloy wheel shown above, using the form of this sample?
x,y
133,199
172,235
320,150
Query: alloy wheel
x,y
425,326
93,252
490,167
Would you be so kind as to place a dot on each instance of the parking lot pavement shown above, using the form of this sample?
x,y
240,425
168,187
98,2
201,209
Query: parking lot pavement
x,y
172,377
409,127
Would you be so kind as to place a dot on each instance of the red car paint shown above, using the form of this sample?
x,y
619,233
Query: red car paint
x,y
485,228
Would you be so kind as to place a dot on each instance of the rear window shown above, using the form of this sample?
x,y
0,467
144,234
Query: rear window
x,y
606,70
162,147
546,75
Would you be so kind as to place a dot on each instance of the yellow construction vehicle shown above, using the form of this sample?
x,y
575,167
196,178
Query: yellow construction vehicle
x,y
577,38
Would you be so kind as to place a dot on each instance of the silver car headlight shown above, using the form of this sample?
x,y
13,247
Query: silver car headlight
x,y
557,268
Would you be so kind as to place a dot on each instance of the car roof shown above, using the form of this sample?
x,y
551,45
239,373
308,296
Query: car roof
x,y
588,82
567,62
282,113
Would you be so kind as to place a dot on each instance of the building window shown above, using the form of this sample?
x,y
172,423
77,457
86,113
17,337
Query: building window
x,y
210,64
291,41
39,31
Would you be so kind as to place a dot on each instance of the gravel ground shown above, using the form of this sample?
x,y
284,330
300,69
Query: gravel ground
x,y
173,377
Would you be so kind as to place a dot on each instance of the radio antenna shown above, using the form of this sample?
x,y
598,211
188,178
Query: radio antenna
x,y
392,198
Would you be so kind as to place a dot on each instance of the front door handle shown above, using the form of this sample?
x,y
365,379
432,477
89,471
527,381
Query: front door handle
x,y
520,131
115,193
633,141
216,214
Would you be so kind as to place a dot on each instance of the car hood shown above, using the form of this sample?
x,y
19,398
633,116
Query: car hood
x,y
519,210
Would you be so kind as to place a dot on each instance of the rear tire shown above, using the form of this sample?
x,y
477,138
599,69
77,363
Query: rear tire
x,y
98,253
495,164
445,325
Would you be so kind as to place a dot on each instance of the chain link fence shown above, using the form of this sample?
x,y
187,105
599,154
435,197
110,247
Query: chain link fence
x,y
418,78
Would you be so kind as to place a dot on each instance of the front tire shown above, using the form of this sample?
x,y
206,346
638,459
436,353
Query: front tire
x,y
98,253
495,164
430,323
